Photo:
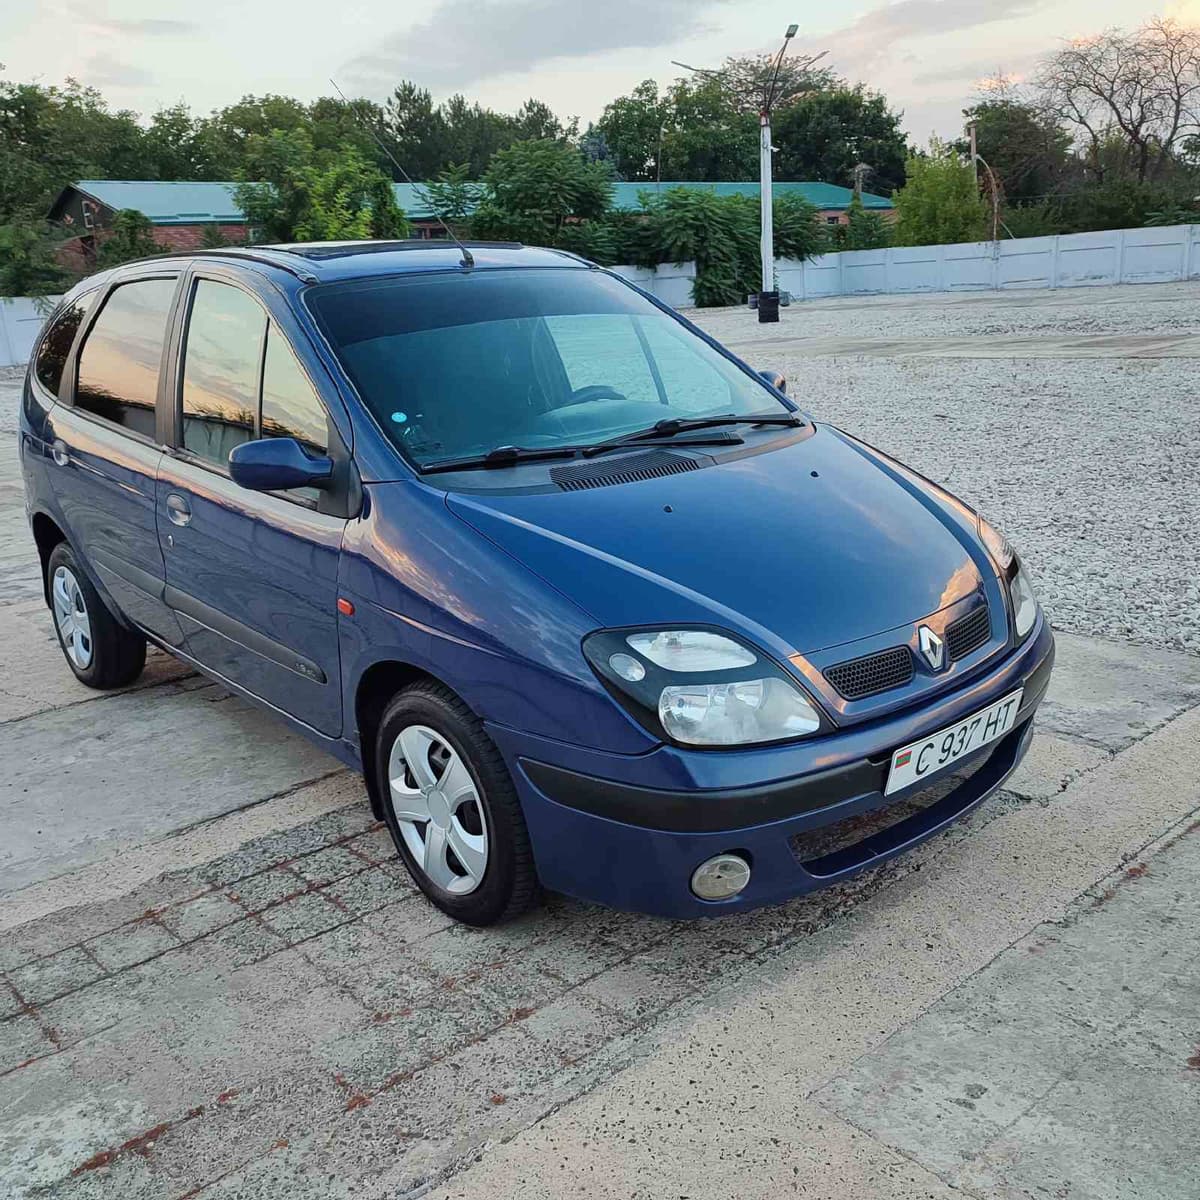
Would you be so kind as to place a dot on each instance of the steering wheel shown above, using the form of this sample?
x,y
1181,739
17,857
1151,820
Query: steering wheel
x,y
595,391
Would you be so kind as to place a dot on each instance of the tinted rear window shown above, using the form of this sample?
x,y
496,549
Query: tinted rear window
x,y
120,359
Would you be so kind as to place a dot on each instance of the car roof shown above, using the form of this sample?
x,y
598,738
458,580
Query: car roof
x,y
321,262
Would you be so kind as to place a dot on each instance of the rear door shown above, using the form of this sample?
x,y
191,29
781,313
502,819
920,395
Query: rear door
x,y
106,447
252,577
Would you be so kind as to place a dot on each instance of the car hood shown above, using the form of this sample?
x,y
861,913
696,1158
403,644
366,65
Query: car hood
x,y
803,547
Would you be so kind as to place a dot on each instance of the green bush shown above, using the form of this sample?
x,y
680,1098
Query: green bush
x,y
721,235
131,237
940,203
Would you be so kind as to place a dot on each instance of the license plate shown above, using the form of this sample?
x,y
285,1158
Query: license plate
x,y
923,759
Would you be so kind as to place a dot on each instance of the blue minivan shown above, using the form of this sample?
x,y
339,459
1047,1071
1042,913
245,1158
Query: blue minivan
x,y
592,604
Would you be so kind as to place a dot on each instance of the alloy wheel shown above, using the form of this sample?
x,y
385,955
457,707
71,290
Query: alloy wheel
x,y
438,809
71,616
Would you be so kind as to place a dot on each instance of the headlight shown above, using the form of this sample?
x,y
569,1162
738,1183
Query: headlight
x,y
1024,603
701,687
1020,590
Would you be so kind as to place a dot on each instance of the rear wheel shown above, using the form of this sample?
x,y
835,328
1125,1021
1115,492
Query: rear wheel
x,y
100,651
451,807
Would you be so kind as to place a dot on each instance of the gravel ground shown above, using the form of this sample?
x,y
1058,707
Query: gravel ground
x,y
1091,466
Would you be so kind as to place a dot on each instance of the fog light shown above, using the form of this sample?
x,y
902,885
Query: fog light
x,y
721,877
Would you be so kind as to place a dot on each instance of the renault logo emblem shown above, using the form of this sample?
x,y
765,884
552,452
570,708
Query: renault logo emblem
x,y
933,649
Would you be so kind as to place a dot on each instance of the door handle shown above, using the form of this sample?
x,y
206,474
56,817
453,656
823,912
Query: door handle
x,y
58,452
178,509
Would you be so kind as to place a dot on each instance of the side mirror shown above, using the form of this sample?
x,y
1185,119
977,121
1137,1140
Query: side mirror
x,y
276,465
777,381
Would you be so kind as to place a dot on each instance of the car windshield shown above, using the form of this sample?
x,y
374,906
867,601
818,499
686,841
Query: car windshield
x,y
455,365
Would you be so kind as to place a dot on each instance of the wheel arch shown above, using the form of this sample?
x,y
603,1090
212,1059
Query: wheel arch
x,y
46,534
376,687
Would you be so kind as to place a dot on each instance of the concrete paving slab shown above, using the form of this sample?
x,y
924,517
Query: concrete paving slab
x,y
35,678
1042,1096
65,797
1111,694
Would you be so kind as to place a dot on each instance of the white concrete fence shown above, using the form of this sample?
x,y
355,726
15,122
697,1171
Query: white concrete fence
x,y
1159,255
20,322
1156,255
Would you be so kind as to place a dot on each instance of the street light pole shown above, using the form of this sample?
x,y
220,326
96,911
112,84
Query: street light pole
x,y
767,236
768,297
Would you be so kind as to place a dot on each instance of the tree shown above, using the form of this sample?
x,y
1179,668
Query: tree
x,y
1024,144
51,136
546,194
131,237
549,181
27,263
453,195
865,228
306,196
630,128
747,79
1143,86
826,133
940,203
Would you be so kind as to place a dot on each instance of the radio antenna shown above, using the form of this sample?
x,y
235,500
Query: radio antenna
x,y
467,260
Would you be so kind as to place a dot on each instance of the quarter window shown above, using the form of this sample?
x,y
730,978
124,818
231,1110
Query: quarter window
x,y
56,345
221,370
120,360
290,407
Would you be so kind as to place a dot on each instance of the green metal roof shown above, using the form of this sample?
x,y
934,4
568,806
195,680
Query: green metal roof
x,y
167,202
172,202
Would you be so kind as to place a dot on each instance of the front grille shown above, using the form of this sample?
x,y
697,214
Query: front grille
x,y
871,674
968,633
649,465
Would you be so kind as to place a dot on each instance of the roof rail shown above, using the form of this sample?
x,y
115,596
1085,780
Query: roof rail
x,y
293,268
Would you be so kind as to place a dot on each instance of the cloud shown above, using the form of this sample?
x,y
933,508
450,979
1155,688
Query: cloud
x,y
868,40
468,40
106,70
1011,66
85,15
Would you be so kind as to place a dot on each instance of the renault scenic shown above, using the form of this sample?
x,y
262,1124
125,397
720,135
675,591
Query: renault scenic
x,y
594,606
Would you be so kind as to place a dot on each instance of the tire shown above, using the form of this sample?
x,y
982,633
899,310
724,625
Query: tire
x,y
100,651
467,849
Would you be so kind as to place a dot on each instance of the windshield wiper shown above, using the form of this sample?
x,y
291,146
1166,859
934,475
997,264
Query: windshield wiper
x,y
507,456
501,456
671,426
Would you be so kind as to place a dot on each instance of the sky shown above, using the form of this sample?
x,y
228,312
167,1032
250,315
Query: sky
x,y
925,55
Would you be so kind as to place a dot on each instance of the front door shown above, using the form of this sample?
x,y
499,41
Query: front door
x,y
252,577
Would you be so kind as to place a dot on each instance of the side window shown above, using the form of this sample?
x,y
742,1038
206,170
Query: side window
x,y
290,407
602,349
691,383
222,360
57,342
119,361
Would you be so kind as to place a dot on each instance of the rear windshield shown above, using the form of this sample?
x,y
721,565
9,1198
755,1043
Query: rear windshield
x,y
459,364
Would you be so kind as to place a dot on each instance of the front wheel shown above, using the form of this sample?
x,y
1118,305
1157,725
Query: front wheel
x,y
99,650
452,809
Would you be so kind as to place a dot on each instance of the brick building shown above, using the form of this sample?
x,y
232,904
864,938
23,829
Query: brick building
x,y
183,212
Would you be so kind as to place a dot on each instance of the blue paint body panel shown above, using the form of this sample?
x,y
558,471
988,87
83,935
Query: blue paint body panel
x,y
805,544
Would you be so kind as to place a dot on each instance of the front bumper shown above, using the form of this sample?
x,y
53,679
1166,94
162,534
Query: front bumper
x,y
805,816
